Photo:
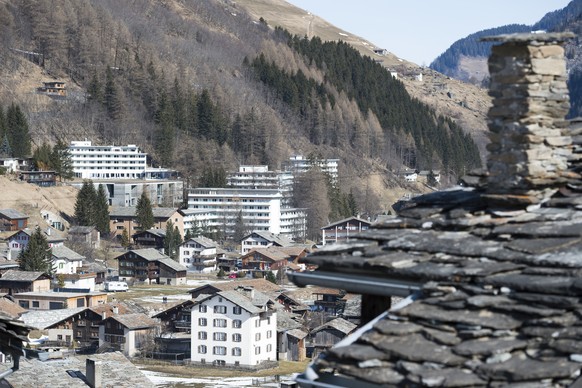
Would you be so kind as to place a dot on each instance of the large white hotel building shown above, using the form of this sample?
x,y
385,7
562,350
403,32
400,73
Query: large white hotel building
x,y
107,162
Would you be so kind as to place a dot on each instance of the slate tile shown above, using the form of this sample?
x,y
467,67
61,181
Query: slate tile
x,y
525,369
447,377
470,317
389,327
568,346
488,346
529,311
555,301
538,284
541,245
542,229
374,375
357,352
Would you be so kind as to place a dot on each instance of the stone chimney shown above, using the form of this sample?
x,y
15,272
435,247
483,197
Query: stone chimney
x,y
530,144
93,373
115,310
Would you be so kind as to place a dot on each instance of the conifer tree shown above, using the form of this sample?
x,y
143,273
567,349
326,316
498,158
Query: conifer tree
x,y
94,89
61,162
37,255
125,238
85,204
102,211
113,98
17,130
270,276
5,149
172,241
144,213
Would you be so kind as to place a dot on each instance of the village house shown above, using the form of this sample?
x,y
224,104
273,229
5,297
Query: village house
x,y
12,220
59,299
65,260
87,235
328,334
489,269
290,338
53,88
262,260
123,218
343,230
235,328
151,266
200,254
15,281
262,239
39,178
130,334
19,240
151,238
94,268
77,281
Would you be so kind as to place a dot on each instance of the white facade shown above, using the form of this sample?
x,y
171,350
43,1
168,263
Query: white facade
x,y
225,333
107,162
299,164
19,240
261,209
198,254
259,177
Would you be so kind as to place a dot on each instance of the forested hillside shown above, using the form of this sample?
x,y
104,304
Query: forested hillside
x,y
201,86
452,62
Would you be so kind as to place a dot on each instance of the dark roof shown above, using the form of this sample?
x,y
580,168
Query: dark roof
x,y
13,335
173,264
339,324
116,371
155,231
63,252
81,229
149,254
261,285
497,263
23,276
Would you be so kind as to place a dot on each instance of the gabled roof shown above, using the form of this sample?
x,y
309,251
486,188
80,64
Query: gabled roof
x,y
203,241
339,324
270,253
176,307
129,211
10,308
173,264
134,321
155,231
297,333
346,220
63,252
53,237
81,229
274,238
12,214
23,276
116,371
43,319
261,285
149,254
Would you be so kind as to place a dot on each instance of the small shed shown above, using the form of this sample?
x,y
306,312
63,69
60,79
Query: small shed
x,y
330,333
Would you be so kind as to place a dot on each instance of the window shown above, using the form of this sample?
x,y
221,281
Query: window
x,y
220,309
269,334
269,347
236,310
219,336
202,349
219,350
237,323
236,337
219,322
202,335
258,337
201,321
236,351
35,303
258,350
202,308
258,323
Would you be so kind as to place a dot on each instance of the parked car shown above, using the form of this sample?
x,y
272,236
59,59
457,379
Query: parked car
x,y
116,286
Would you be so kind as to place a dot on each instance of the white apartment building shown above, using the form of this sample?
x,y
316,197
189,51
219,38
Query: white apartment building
x,y
199,254
259,177
237,328
107,162
260,208
299,164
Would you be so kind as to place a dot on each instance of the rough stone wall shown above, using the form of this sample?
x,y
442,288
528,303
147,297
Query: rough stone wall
x,y
530,144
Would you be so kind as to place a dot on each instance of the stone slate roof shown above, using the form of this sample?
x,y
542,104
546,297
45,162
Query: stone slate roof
x,y
13,336
43,319
10,308
116,371
345,220
81,229
339,324
274,238
155,231
12,214
14,275
150,254
62,252
173,264
497,263
134,321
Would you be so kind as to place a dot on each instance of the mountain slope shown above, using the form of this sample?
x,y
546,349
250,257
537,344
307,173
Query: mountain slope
x,y
174,77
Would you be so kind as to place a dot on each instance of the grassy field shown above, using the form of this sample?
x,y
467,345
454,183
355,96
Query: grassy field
x,y
284,368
